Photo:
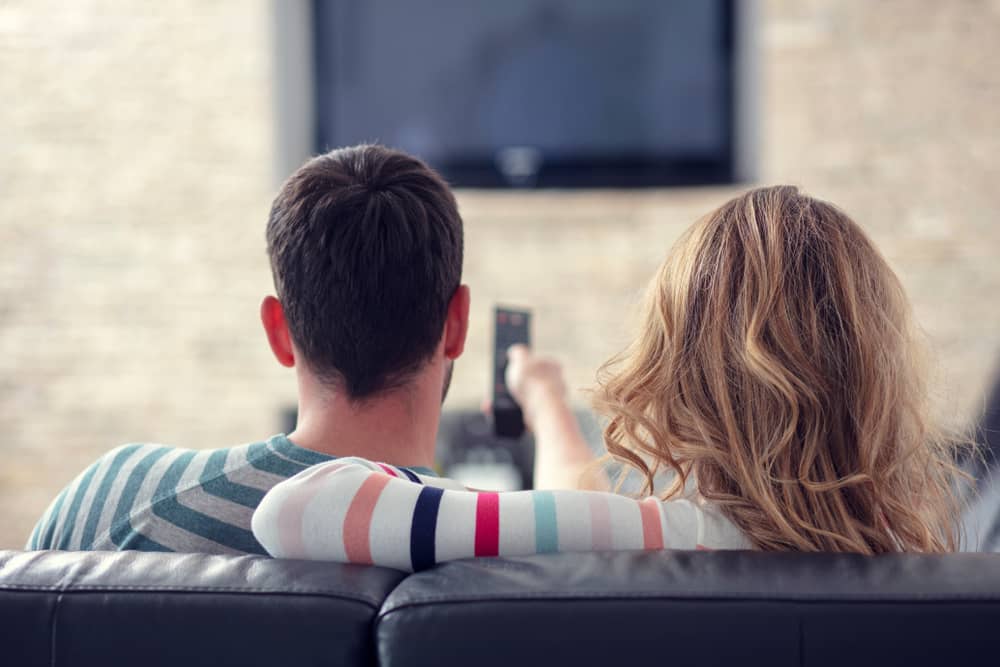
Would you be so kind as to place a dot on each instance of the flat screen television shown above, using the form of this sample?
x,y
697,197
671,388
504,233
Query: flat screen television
x,y
533,93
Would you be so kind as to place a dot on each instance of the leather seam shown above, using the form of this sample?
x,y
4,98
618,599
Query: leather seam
x,y
373,602
542,597
52,631
379,614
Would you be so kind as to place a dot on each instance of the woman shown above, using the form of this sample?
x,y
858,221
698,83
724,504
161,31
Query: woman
x,y
777,378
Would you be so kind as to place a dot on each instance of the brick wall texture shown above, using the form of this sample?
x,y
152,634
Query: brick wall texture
x,y
138,155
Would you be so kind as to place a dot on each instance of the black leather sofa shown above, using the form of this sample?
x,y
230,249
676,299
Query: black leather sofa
x,y
674,609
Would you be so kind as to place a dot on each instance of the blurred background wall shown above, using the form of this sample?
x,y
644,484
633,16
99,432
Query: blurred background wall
x,y
138,162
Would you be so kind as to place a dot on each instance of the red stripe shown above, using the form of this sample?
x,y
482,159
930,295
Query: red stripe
x,y
389,471
652,529
488,524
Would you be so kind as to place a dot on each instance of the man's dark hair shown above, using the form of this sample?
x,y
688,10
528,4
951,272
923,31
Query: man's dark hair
x,y
366,249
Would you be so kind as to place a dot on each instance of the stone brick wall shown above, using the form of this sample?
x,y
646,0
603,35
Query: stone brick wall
x,y
138,153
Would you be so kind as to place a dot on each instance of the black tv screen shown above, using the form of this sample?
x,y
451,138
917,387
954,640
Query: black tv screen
x,y
533,93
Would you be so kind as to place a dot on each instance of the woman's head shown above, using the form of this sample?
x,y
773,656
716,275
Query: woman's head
x,y
778,365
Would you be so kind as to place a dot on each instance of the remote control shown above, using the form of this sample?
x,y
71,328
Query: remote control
x,y
511,327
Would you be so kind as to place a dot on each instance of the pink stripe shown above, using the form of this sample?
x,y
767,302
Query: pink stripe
x,y
387,469
291,513
358,521
487,524
652,529
600,523
702,547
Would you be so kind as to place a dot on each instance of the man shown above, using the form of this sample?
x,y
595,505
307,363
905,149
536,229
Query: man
x,y
366,250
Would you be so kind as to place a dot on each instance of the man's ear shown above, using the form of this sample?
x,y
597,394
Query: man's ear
x,y
456,325
272,316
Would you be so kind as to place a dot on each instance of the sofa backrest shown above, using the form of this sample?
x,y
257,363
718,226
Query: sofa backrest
x,y
128,608
697,608
675,608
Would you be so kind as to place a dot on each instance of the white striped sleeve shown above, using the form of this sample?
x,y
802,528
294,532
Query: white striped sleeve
x,y
356,511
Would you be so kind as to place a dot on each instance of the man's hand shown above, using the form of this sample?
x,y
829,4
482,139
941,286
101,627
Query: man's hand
x,y
535,382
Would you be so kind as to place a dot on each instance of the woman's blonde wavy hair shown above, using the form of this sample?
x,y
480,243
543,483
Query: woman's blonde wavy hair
x,y
778,365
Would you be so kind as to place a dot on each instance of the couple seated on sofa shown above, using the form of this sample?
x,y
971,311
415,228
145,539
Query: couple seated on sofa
x,y
775,378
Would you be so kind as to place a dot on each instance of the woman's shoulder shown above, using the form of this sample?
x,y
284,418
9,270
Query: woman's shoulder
x,y
716,530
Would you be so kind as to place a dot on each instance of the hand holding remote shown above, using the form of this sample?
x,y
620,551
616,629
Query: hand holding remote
x,y
561,453
534,381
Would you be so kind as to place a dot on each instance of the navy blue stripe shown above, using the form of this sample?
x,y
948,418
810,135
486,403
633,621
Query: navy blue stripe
x,y
262,458
214,482
423,529
74,507
101,497
122,534
412,475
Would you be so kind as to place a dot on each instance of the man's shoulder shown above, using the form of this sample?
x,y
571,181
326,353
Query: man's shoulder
x,y
151,495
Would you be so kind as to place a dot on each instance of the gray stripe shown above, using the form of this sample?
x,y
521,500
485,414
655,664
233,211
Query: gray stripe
x,y
177,538
42,524
108,501
60,521
239,471
71,521
192,474
145,495
161,529
45,523
88,502
215,507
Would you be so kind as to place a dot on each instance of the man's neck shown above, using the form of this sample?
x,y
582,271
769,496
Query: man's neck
x,y
399,427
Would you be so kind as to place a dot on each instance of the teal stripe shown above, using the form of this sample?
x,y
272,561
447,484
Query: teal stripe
x,y
167,507
122,534
215,483
132,540
263,458
101,496
546,531
290,450
74,507
51,520
33,540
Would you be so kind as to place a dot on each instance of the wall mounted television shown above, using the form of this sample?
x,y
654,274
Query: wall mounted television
x,y
534,93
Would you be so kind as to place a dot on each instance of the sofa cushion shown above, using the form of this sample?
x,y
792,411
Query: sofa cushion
x,y
85,608
688,608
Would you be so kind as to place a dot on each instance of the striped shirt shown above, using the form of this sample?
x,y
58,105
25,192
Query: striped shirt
x,y
150,497
356,511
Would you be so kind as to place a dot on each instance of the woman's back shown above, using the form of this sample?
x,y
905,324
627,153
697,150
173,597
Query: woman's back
x,y
778,363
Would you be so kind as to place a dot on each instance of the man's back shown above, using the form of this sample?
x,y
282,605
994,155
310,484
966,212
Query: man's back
x,y
160,498
365,246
